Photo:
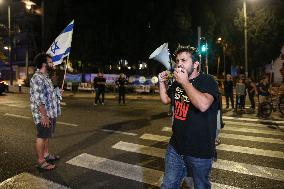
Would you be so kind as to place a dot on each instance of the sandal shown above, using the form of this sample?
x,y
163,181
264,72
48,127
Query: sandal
x,y
45,166
52,158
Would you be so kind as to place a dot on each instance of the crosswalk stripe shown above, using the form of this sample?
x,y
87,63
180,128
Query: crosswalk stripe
x,y
120,169
251,119
252,151
252,138
167,129
250,130
26,180
238,129
160,138
247,124
243,168
125,170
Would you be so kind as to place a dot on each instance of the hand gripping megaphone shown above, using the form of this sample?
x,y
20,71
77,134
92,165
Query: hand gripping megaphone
x,y
162,55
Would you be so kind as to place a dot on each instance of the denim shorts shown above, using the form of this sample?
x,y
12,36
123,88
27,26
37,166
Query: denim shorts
x,y
45,132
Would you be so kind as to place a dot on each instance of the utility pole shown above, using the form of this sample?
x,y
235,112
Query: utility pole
x,y
42,25
198,42
246,37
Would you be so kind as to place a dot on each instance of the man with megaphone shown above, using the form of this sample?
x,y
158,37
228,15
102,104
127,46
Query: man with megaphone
x,y
192,144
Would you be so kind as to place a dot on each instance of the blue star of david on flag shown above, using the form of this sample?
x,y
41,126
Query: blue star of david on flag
x,y
61,46
54,47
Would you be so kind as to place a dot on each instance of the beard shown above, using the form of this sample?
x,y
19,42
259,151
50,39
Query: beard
x,y
190,70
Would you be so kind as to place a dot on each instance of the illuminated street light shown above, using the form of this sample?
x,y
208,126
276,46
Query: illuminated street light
x,y
28,4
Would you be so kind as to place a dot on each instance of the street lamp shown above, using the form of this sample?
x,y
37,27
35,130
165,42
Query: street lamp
x,y
29,5
224,45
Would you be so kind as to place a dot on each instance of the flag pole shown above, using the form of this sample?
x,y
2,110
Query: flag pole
x,y
65,70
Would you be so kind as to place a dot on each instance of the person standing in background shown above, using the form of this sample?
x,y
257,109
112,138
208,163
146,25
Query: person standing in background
x,y
121,82
240,94
252,91
228,90
99,85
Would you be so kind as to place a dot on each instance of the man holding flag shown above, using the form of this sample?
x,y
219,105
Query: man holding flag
x,y
45,99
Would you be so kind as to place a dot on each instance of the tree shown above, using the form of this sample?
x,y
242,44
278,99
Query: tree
x,y
264,32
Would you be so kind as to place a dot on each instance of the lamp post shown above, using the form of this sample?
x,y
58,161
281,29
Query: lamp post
x,y
28,5
9,45
246,37
224,46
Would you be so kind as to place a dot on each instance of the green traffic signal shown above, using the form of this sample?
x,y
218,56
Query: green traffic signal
x,y
203,48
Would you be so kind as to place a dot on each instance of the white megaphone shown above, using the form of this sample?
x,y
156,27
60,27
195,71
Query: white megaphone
x,y
162,55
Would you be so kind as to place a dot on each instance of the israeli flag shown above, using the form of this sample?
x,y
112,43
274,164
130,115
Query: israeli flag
x,y
61,47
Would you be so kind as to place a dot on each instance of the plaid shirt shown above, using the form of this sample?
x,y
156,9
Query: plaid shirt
x,y
42,93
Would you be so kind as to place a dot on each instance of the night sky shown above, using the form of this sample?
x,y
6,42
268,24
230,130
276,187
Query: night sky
x,y
106,31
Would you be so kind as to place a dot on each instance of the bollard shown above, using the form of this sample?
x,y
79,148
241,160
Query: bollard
x,y
20,88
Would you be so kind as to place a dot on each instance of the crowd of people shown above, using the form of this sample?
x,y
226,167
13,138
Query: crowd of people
x,y
245,87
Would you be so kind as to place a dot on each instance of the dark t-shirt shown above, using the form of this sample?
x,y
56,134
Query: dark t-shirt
x,y
99,82
228,87
194,132
121,83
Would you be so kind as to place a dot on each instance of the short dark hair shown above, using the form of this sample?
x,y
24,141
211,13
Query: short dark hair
x,y
40,59
189,49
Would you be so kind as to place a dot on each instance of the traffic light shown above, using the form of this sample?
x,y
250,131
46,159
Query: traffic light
x,y
203,48
203,45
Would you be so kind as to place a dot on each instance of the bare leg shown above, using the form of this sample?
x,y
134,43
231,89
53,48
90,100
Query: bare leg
x,y
40,149
45,149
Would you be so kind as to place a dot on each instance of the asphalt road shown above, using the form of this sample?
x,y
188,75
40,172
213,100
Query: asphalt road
x,y
122,146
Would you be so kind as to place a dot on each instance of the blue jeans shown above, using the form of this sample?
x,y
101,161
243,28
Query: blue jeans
x,y
177,167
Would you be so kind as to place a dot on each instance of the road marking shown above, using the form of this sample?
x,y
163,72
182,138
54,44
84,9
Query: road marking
x,y
243,168
167,129
16,105
125,170
248,124
18,116
26,180
250,130
120,169
63,103
119,132
238,129
68,124
253,151
252,138
160,138
252,119
26,117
